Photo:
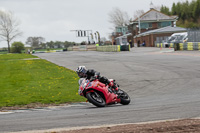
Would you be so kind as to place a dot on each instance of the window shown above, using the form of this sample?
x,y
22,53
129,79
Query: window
x,y
145,25
164,24
123,29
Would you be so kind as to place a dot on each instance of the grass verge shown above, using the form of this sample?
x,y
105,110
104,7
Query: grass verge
x,y
24,82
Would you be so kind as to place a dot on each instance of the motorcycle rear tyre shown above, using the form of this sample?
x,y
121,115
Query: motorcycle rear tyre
x,y
95,102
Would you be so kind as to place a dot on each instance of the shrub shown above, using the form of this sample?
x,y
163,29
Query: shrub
x,y
17,47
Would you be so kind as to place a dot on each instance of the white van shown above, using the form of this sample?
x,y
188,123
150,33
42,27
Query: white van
x,y
177,38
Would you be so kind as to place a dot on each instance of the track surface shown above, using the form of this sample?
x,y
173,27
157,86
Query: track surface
x,y
162,85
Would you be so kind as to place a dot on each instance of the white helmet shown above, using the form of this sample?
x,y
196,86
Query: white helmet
x,y
81,71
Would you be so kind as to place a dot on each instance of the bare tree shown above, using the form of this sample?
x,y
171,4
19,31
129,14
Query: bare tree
x,y
118,17
9,27
138,13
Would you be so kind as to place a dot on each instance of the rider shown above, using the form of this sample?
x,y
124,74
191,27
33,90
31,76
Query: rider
x,y
90,74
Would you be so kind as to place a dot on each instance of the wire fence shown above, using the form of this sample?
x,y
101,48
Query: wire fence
x,y
194,35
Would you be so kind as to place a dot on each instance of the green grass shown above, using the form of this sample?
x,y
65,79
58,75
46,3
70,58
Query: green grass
x,y
3,52
4,57
35,81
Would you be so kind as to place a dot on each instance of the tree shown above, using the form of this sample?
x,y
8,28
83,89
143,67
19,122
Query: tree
x,y
191,9
35,42
17,47
174,9
58,44
196,12
118,17
138,13
67,44
50,44
165,10
187,12
9,27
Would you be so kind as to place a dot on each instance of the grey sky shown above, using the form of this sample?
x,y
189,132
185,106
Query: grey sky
x,y
53,19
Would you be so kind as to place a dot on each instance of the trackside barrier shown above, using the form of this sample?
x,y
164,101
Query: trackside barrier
x,y
125,47
161,45
109,48
50,51
70,49
82,48
190,46
171,45
182,46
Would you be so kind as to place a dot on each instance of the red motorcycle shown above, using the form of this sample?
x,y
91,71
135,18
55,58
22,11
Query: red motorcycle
x,y
100,94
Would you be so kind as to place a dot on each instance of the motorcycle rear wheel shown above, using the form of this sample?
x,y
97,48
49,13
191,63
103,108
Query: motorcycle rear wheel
x,y
125,99
96,99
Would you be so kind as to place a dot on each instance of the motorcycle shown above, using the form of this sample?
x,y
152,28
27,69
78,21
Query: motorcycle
x,y
100,94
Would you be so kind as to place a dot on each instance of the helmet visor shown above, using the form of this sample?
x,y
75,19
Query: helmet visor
x,y
80,74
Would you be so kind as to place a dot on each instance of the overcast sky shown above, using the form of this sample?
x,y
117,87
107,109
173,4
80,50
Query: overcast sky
x,y
53,19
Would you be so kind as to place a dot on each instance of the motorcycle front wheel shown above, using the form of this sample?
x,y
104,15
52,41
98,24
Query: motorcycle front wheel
x,y
125,99
96,99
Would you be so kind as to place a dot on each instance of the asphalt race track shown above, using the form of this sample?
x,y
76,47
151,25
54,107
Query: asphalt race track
x,y
162,85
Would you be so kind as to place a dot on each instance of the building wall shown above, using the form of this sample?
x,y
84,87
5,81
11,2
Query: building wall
x,y
155,25
150,39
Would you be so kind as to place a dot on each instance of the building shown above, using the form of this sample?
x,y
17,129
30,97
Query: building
x,y
157,36
150,20
119,31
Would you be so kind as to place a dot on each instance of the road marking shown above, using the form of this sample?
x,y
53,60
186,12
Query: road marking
x,y
50,108
3,113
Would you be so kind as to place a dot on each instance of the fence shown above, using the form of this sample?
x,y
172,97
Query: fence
x,y
193,35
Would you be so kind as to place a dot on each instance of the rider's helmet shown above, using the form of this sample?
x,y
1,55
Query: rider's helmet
x,y
81,71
